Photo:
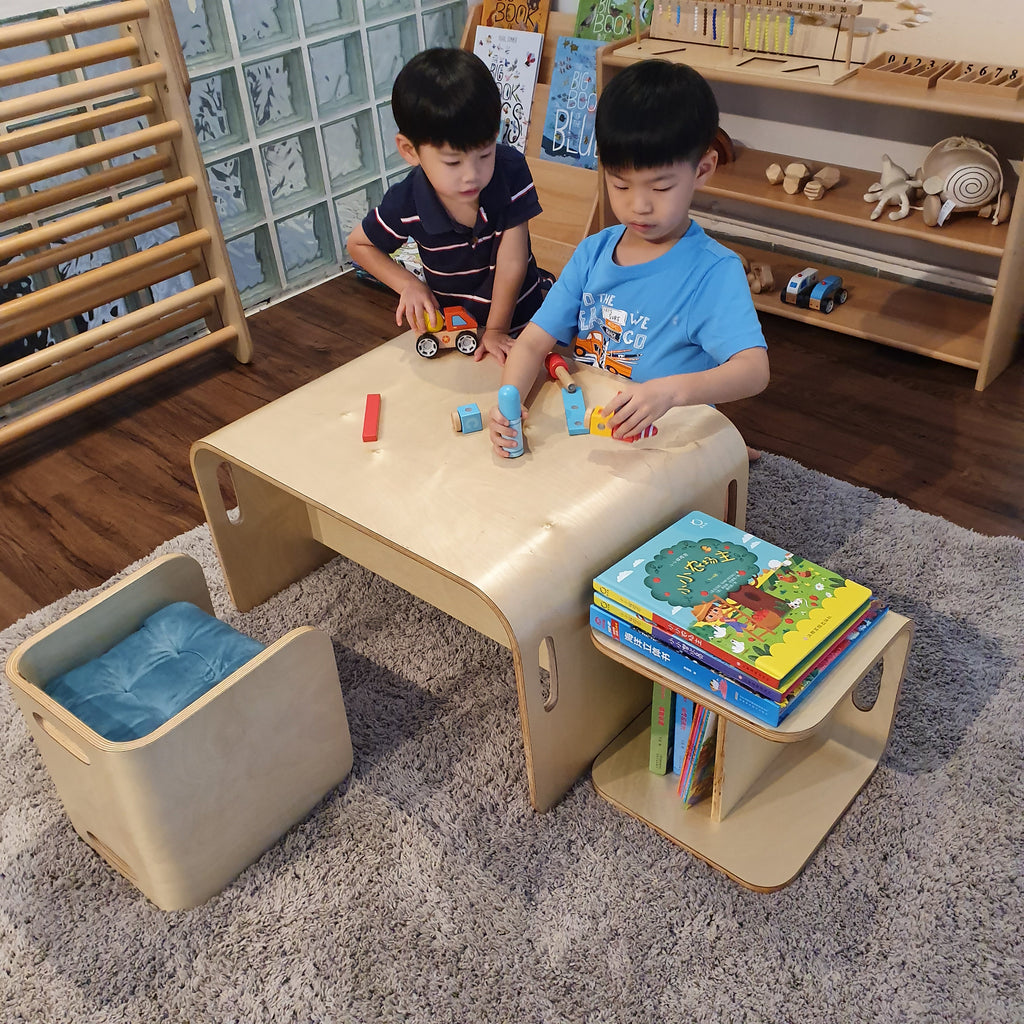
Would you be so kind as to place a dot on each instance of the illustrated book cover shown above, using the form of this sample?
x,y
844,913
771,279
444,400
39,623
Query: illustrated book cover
x,y
568,135
609,20
525,15
513,58
759,607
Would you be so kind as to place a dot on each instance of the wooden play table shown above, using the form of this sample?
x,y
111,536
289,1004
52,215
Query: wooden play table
x,y
509,547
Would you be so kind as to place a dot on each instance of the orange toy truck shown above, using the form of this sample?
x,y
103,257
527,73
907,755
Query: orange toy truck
x,y
455,329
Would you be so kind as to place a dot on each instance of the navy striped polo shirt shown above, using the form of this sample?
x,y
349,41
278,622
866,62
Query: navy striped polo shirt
x,y
458,262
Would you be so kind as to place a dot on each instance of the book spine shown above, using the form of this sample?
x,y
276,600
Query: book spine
x,y
668,626
761,708
661,728
620,612
636,609
685,709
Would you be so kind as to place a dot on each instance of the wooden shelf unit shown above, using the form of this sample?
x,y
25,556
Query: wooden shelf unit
x,y
972,333
568,194
777,792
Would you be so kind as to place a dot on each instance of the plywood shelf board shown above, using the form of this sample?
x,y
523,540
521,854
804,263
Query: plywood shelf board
x,y
745,180
904,316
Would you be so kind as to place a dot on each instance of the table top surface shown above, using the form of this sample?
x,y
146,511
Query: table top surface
x,y
446,495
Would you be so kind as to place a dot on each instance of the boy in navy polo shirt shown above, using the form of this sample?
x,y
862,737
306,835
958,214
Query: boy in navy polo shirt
x,y
652,299
466,203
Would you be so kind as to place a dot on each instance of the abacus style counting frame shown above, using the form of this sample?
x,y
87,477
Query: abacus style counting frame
x,y
806,39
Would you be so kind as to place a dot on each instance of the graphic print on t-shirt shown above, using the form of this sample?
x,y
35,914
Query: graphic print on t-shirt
x,y
609,337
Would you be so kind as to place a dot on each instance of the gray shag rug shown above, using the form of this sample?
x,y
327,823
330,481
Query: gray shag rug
x,y
426,889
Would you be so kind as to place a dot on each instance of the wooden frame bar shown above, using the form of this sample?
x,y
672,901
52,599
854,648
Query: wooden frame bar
x,y
68,60
208,290
72,23
86,156
38,134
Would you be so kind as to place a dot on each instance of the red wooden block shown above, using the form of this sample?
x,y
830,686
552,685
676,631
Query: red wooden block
x,y
371,418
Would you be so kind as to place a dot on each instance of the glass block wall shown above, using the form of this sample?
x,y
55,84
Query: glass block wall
x,y
291,104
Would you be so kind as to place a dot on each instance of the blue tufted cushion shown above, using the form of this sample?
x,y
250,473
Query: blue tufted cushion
x,y
175,656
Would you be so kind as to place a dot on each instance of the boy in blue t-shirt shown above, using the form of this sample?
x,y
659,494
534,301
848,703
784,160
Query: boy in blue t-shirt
x,y
466,203
652,299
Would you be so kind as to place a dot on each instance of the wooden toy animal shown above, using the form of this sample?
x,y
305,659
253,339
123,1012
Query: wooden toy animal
x,y
894,187
961,175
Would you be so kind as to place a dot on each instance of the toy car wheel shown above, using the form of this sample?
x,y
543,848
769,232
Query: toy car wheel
x,y
842,296
828,305
467,343
426,345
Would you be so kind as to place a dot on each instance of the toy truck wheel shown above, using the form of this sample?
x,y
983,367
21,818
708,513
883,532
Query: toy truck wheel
x,y
828,305
842,296
426,345
467,343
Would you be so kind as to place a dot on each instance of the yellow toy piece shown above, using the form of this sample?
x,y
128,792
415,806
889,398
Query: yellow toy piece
x,y
434,320
598,424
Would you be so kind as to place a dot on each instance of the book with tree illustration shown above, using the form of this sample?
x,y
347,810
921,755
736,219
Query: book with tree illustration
x,y
757,606
525,15
609,20
513,59
568,135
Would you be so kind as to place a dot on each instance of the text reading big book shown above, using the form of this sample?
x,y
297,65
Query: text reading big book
x,y
762,609
568,135
513,59
525,15
608,20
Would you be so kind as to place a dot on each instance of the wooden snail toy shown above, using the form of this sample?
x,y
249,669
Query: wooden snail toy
x,y
961,175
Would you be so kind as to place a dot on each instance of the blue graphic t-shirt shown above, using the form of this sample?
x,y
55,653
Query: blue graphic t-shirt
x,y
688,310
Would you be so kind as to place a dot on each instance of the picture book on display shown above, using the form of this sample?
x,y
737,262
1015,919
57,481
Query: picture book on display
x,y
568,135
513,58
682,714
526,15
756,606
608,20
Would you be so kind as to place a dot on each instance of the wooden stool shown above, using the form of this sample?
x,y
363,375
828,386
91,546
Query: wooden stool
x,y
181,811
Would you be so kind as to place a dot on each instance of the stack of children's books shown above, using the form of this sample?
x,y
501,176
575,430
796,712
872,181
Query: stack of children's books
x,y
754,625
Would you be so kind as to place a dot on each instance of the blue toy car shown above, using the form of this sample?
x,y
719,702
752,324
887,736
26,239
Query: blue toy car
x,y
828,293
807,291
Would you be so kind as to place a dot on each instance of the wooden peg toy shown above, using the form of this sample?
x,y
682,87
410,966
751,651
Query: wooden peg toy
x,y
558,370
572,397
434,320
466,419
510,406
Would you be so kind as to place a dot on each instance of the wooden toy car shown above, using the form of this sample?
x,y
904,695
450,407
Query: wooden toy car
x,y
828,293
806,290
456,331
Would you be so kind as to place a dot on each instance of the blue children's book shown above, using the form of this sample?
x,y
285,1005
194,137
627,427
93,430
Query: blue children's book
x,y
568,135
763,609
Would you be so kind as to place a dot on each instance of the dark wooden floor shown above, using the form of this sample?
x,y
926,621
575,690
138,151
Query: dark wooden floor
x,y
87,497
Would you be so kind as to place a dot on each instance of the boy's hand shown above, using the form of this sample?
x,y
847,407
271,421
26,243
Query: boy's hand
x,y
494,343
415,303
500,433
637,406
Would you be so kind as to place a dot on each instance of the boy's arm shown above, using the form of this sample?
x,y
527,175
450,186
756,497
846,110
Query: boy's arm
x,y
415,299
523,364
637,406
509,271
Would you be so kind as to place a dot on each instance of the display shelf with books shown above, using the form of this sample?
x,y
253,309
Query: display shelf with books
x,y
567,193
779,788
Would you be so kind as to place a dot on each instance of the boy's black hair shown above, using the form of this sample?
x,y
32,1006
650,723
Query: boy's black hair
x,y
446,97
655,113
